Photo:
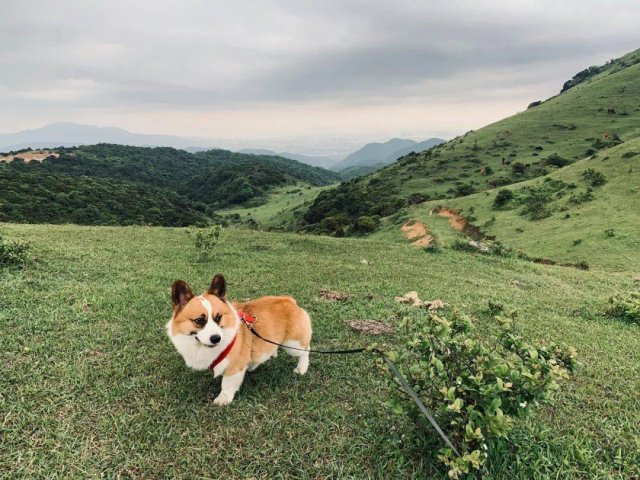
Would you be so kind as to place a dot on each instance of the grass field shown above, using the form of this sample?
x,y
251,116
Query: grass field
x,y
92,388
280,208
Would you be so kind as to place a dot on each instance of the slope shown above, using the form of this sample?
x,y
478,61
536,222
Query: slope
x,y
587,117
586,212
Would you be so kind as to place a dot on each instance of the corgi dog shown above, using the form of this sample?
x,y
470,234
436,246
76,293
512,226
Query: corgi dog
x,y
208,331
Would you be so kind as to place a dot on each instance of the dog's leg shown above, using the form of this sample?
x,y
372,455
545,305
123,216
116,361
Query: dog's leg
x,y
303,357
230,385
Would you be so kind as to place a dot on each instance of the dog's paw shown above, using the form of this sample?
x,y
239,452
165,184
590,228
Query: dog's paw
x,y
222,399
300,371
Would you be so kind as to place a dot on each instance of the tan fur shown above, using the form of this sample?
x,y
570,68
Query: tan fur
x,y
279,319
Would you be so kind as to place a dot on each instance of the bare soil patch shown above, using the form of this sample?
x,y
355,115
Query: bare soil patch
x,y
334,296
371,327
37,155
457,221
414,229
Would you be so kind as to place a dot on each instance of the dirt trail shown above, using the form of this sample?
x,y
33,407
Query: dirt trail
x,y
37,155
417,230
457,221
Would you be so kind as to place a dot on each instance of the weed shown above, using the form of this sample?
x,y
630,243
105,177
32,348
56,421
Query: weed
x,y
13,254
206,239
625,306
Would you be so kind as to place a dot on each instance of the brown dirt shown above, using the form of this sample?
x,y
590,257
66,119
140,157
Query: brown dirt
x,y
334,296
417,230
37,155
457,221
372,327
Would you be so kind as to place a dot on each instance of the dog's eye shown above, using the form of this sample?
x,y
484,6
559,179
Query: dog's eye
x,y
200,321
217,318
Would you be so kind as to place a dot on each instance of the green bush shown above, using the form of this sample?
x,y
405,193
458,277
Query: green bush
x,y
13,254
503,197
474,390
625,306
366,224
206,239
594,177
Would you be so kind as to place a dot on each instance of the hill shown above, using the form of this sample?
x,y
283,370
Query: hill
x,y
314,160
87,369
373,153
201,182
586,212
597,112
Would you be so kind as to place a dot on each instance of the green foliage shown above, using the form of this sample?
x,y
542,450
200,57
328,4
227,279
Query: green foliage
x,y
610,232
136,185
366,224
206,239
594,177
625,306
556,160
12,253
474,390
503,197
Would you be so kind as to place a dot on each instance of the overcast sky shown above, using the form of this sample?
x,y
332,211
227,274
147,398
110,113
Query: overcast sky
x,y
297,73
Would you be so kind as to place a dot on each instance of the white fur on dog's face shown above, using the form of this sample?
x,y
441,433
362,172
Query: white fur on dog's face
x,y
211,328
195,320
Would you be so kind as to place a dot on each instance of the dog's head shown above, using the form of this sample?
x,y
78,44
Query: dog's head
x,y
204,317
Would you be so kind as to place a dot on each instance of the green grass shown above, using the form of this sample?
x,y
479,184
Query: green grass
x,y
280,207
616,205
91,386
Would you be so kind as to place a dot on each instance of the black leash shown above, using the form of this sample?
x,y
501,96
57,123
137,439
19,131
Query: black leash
x,y
392,366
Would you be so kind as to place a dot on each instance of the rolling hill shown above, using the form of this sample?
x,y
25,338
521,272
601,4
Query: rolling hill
x,y
587,212
313,160
599,109
192,186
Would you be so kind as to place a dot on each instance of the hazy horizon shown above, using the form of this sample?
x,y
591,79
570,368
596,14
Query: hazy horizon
x,y
291,76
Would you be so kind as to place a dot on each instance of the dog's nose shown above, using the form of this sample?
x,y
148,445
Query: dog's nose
x,y
215,338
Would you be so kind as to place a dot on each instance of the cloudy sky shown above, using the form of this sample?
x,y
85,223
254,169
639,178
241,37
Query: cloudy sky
x,y
296,73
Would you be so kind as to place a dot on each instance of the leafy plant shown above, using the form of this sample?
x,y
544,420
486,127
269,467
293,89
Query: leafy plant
x,y
625,306
475,391
206,239
503,197
610,232
594,177
13,254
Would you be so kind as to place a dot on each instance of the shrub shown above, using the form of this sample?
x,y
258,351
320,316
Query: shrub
x,y
535,205
474,390
582,197
206,239
534,104
366,224
594,177
13,254
625,307
502,198
518,168
556,160
464,189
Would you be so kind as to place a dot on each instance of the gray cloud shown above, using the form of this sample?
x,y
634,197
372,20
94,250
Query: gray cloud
x,y
77,58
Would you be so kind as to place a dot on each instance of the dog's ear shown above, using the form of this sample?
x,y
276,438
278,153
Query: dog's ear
x,y
218,286
181,293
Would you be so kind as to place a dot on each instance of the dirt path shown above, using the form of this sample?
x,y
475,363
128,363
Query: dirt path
x,y
37,155
457,221
417,230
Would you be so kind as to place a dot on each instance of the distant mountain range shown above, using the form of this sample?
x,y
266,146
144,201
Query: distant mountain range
x,y
64,134
377,155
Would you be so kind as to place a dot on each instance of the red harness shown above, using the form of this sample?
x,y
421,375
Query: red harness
x,y
246,318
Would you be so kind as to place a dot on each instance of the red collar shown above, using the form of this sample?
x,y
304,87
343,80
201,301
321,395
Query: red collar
x,y
223,354
245,317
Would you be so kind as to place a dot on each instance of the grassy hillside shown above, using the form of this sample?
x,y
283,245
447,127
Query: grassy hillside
x,y
92,387
591,115
203,181
279,211
575,220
